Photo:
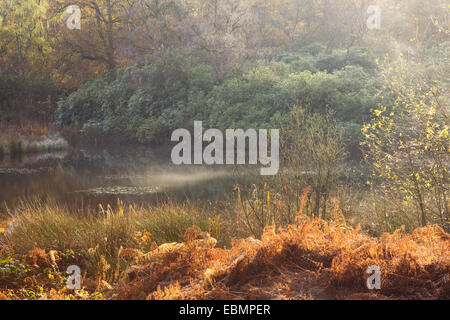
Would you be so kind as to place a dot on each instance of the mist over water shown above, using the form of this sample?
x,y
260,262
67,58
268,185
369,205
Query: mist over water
x,y
83,177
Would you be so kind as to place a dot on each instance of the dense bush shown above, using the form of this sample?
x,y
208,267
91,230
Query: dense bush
x,y
148,100
143,102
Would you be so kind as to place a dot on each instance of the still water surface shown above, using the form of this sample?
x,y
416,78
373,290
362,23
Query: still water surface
x,y
83,177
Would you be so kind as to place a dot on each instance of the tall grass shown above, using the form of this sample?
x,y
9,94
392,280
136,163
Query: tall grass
x,y
99,237
309,258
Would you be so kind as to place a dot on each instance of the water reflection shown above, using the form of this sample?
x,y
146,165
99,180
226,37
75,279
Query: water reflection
x,y
86,176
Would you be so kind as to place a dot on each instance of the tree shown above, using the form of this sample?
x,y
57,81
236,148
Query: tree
x,y
25,51
103,28
407,144
311,147
224,30
155,25
24,45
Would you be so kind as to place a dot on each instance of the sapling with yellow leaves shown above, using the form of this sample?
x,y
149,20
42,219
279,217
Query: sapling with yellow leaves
x,y
407,144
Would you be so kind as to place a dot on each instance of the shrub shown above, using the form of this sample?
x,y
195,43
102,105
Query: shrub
x,y
143,102
150,99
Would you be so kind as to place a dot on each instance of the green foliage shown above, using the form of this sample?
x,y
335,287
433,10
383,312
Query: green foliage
x,y
144,102
13,269
150,99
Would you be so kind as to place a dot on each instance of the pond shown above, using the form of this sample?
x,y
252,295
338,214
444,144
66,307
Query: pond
x,y
85,176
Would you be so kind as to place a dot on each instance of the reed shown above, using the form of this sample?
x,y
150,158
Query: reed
x,y
27,139
99,236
